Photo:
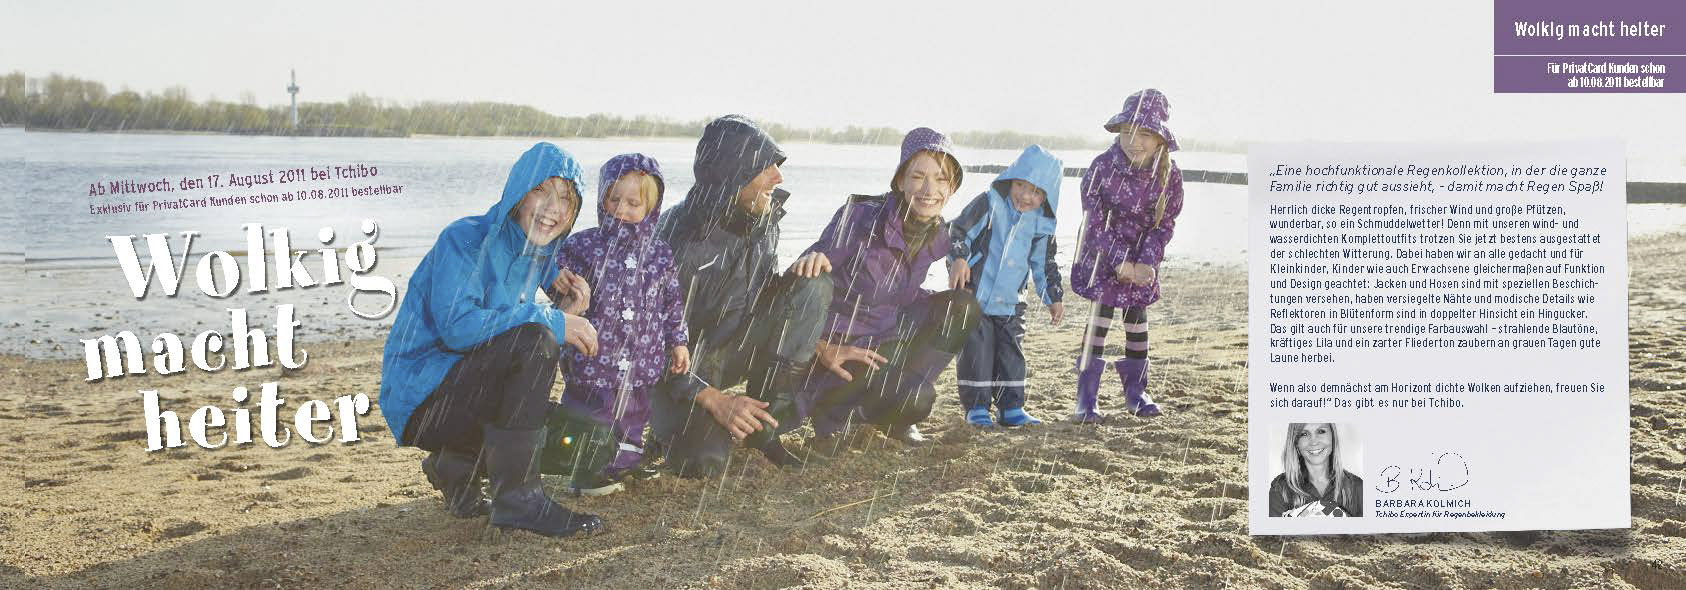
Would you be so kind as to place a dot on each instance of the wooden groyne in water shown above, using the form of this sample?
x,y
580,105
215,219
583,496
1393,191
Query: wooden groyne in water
x,y
1637,192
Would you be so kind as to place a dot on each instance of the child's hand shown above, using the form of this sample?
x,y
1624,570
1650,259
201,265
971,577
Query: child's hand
x,y
1135,273
959,273
681,360
575,291
1056,313
580,334
1145,274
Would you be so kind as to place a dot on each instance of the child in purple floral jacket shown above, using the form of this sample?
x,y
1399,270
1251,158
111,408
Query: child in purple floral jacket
x,y
636,306
1131,194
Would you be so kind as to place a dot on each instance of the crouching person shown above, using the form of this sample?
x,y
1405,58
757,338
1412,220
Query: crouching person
x,y
746,323
471,357
886,338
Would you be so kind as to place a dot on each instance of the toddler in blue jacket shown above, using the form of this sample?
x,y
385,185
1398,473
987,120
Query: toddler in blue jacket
x,y
1008,235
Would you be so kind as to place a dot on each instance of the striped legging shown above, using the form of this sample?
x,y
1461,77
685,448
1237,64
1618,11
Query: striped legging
x,y
1135,332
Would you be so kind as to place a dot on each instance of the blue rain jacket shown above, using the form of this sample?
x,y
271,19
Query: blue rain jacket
x,y
1005,247
479,280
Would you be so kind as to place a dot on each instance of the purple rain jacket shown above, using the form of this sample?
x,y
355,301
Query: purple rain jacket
x,y
635,300
875,278
1119,202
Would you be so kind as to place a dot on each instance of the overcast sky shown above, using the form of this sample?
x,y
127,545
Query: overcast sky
x,y
1241,70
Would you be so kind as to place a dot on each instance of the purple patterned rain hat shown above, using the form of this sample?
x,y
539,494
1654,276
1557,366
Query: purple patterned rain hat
x,y
1148,109
926,139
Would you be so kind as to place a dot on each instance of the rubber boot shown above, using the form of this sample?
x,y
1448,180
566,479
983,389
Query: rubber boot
x,y
594,484
904,416
1088,392
778,385
907,434
631,464
453,474
518,498
1014,417
831,445
1133,372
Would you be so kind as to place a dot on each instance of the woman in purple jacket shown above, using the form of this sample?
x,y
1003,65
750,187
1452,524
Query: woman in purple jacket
x,y
900,335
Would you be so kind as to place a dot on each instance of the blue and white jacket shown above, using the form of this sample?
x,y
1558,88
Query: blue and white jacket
x,y
1005,247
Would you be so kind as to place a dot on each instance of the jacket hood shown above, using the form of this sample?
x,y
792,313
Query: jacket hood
x,y
1036,166
731,152
540,162
619,166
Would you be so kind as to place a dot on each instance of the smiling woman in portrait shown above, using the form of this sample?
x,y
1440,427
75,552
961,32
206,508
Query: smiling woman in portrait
x,y
1312,482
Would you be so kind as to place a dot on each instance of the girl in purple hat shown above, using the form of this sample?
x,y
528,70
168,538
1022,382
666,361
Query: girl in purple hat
x,y
1131,196
631,294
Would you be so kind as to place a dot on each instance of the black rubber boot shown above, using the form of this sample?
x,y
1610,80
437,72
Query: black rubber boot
x,y
778,455
899,417
828,445
518,498
638,473
777,386
454,475
696,468
594,484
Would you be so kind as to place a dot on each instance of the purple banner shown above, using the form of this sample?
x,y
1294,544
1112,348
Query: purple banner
x,y
1576,46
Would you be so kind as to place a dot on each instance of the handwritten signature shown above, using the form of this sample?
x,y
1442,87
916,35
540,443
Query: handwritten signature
x,y
1453,473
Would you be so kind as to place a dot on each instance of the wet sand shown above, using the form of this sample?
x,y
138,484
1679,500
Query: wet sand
x,y
1132,503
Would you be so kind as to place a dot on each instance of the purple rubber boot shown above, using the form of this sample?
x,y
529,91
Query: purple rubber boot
x,y
1134,374
1088,392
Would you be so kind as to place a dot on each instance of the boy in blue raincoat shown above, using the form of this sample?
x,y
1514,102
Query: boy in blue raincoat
x,y
1009,232
473,353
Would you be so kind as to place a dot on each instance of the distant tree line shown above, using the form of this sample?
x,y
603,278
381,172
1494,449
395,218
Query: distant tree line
x,y
68,103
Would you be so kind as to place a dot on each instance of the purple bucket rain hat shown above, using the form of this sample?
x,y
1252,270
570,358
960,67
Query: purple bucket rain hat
x,y
926,139
1148,109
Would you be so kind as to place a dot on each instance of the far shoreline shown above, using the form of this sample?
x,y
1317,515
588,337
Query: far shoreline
x,y
674,138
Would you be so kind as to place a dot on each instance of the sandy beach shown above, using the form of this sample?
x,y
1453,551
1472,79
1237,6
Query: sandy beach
x,y
1132,503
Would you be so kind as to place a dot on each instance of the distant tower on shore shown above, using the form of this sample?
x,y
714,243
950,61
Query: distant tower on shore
x,y
293,89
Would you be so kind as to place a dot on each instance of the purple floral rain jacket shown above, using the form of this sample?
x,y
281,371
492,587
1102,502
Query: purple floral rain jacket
x,y
1119,202
635,301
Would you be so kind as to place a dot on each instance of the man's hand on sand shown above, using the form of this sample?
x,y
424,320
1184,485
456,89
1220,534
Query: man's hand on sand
x,y
581,334
740,415
1056,313
811,265
832,356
